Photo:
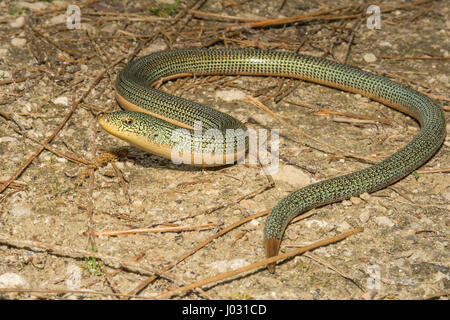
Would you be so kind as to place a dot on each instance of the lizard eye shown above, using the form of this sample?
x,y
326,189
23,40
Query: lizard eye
x,y
128,121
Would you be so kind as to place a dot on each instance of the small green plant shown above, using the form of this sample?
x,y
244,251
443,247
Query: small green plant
x,y
416,175
162,11
90,264
13,10
299,266
241,296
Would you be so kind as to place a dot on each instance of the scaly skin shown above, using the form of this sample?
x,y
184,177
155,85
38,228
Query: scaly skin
x,y
134,93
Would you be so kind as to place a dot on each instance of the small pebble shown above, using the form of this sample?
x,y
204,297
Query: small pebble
x,y
4,74
73,281
64,101
355,200
20,211
18,42
384,221
17,23
7,139
316,223
369,294
157,45
369,58
230,95
110,28
292,175
59,19
3,52
364,216
166,1
262,119
226,265
28,256
443,78
84,68
365,196
254,223
347,203
33,6
12,280
344,226
406,281
89,28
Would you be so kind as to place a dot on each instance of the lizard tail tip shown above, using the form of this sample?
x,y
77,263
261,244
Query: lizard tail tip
x,y
272,245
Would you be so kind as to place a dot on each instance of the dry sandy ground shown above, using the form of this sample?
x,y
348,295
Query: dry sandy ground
x,y
402,252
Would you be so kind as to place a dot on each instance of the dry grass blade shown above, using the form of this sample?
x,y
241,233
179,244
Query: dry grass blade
x,y
415,58
122,181
436,295
433,170
155,230
318,15
17,80
201,14
326,112
434,96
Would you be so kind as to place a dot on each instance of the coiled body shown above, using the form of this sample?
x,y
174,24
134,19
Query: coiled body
x,y
134,93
